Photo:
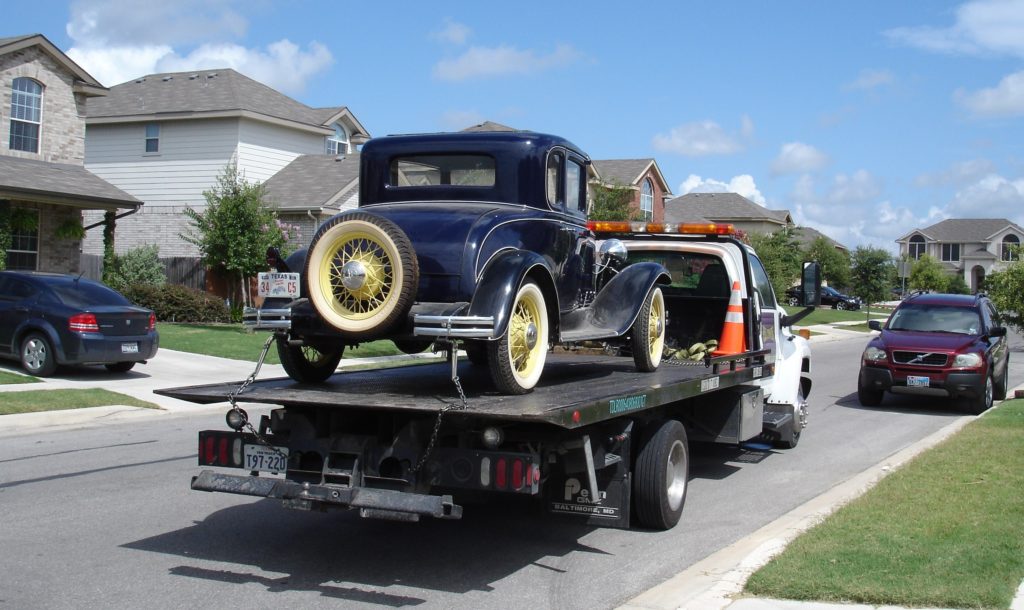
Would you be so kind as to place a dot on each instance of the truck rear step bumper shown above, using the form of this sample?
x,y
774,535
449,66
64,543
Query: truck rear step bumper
x,y
366,499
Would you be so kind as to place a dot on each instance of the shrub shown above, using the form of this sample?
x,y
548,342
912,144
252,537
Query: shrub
x,y
175,303
137,267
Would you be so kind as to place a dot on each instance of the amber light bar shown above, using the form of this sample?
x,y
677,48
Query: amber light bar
x,y
686,228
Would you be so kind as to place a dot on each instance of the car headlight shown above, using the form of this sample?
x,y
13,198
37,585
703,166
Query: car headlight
x,y
970,360
874,354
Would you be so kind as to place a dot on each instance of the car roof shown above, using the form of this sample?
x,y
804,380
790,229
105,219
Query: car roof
x,y
48,278
950,300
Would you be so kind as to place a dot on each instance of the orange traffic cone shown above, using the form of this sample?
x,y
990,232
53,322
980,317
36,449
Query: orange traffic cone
x,y
733,340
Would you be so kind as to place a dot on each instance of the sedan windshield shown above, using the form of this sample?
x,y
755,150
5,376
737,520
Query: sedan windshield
x,y
936,318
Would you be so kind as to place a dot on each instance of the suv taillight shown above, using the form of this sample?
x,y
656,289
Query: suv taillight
x,y
83,323
152,321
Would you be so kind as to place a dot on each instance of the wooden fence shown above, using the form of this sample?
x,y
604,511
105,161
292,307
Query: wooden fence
x,y
184,270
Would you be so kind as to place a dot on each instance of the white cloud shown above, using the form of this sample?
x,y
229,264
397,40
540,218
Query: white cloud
x,y
743,184
871,79
860,187
798,158
958,174
848,209
990,197
453,32
982,27
1005,99
702,138
149,37
484,62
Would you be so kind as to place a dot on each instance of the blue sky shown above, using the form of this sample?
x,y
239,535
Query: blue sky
x,y
865,118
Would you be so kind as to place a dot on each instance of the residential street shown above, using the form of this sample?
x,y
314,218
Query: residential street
x,y
102,517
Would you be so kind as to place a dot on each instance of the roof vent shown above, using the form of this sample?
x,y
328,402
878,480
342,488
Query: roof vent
x,y
141,80
193,76
167,78
339,158
211,75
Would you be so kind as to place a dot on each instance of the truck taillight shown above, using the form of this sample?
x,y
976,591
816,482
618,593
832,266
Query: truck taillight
x,y
83,323
152,321
218,448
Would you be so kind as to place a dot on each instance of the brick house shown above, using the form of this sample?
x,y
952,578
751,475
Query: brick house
x,y
969,247
44,185
644,178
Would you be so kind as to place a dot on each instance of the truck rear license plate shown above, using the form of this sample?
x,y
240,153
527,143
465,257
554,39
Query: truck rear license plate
x,y
279,285
266,459
918,382
129,348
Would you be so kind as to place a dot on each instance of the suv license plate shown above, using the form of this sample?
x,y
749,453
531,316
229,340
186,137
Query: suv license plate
x,y
918,382
265,459
129,348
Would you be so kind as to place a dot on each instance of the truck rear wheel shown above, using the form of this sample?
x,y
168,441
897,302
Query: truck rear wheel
x,y
308,364
647,339
361,274
517,359
660,476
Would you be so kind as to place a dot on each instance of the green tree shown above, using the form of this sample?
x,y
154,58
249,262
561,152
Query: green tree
x,y
235,230
137,267
957,285
871,275
835,263
781,256
1006,289
611,203
928,274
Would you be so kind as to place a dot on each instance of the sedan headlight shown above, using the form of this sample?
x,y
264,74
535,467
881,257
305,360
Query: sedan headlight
x,y
874,354
971,360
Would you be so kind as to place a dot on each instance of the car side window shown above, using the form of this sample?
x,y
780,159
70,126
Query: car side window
x,y
14,289
553,180
574,198
762,283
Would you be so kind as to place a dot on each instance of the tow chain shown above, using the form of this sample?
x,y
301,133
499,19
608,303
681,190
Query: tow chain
x,y
248,381
453,355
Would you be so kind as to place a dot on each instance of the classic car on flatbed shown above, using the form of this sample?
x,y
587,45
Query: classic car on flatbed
x,y
472,240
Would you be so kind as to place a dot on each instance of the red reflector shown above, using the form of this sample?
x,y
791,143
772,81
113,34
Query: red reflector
x,y
83,323
529,475
225,457
517,474
209,451
500,477
575,417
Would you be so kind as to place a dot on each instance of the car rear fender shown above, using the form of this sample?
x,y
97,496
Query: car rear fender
x,y
500,281
38,325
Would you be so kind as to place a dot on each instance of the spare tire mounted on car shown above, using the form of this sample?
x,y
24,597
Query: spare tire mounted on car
x,y
361,274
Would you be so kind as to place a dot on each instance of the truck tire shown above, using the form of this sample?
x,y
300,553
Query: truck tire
x,y
799,416
308,364
361,274
37,356
660,476
517,358
647,339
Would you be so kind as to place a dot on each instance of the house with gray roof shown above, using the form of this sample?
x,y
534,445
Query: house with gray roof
x,y
44,185
311,189
165,138
641,176
969,247
731,208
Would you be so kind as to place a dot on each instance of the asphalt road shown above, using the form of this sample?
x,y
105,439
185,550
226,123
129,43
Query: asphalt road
x,y
102,517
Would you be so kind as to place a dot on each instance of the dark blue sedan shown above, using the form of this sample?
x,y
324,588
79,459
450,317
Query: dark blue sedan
x,y
49,319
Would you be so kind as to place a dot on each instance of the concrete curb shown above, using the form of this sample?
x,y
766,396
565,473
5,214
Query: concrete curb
x,y
17,423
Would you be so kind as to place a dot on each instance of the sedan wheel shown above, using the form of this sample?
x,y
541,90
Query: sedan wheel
x,y
37,356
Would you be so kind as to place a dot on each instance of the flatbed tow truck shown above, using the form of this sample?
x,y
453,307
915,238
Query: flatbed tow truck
x,y
595,440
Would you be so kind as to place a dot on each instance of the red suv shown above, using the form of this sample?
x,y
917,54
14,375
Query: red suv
x,y
938,345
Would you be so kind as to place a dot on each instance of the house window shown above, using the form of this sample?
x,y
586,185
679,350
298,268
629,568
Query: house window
x,y
26,114
153,138
1009,243
647,199
23,255
338,143
950,253
915,249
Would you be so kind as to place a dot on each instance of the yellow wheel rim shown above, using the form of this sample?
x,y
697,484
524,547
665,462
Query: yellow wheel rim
x,y
525,336
656,326
374,258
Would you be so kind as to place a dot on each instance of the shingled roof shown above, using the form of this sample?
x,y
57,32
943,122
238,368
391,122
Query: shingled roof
x,y
32,180
806,236
963,230
208,93
84,82
723,207
312,182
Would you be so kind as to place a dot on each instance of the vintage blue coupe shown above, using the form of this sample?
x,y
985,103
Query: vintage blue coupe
x,y
471,239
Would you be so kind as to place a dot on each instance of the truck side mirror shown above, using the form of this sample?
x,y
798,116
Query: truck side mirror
x,y
810,284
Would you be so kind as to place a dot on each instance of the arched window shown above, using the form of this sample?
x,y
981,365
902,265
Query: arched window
x,y
1009,242
338,143
26,114
647,199
916,247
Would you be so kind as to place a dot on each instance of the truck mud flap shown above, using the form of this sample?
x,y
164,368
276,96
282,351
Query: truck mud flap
x,y
371,502
571,494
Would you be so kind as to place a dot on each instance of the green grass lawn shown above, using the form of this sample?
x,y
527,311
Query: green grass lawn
x,y
829,316
33,401
234,341
6,377
943,531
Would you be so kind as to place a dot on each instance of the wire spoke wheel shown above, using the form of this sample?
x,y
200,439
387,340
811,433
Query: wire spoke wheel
x,y
309,364
648,335
517,359
362,274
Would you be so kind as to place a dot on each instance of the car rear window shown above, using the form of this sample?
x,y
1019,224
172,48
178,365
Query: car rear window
x,y
442,170
83,294
936,318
